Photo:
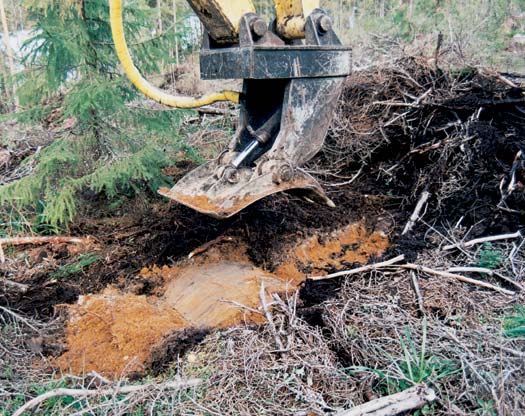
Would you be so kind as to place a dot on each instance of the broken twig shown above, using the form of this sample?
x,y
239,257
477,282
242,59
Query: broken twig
x,y
410,266
206,246
360,269
459,277
269,317
483,270
18,318
471,243
417,290
415,215
17,286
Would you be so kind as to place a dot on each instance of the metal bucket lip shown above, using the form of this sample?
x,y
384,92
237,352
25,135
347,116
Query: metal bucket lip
x,y
227,200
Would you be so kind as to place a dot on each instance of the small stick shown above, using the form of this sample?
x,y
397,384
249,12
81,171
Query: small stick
x,y
82,393
489,272
415,215
349,182
360,269
269,317
18,241
471,243
411,399
215,111
206,246
459,277
242,306
506,80
512,351
19,318
419,296
18,286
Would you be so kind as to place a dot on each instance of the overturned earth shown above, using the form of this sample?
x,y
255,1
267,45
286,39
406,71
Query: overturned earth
x,y
143,302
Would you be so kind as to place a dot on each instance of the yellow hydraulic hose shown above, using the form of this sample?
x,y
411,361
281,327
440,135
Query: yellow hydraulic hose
x,y
149,90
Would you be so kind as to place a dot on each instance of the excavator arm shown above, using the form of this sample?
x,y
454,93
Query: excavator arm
x,y
292,70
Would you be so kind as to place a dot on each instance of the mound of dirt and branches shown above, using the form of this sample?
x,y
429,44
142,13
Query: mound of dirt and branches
x,y
415,279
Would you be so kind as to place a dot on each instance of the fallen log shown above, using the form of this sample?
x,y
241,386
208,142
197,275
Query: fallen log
x,y
411,399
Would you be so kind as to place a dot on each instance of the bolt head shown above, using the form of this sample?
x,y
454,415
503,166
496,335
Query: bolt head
x,y
231,175
259,27
285,173
324,23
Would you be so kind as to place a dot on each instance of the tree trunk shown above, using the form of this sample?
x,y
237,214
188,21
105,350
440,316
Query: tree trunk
x,y
9,50
176,32
410,9
159,9
5,75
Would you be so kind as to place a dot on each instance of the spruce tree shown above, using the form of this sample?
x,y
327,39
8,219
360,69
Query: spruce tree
x,y
112,149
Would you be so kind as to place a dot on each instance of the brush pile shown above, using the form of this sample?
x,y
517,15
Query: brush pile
x,y
412,128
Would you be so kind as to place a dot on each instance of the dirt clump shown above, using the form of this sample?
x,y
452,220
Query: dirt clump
x,y
112,333
319,253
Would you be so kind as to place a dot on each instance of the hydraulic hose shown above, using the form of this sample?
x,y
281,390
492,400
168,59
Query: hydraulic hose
x,y
149,90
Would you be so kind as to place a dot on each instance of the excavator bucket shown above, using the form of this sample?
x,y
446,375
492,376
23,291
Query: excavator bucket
x,y
289,97
219,198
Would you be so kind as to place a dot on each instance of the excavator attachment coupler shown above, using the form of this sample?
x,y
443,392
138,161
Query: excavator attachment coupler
x,y
289,97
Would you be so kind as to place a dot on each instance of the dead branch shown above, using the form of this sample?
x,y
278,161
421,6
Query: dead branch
x,y
18,318
83,393
410,266
415,215
471,243
360,269
411,399
18,241
17,286
483,270
349,181
459,277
